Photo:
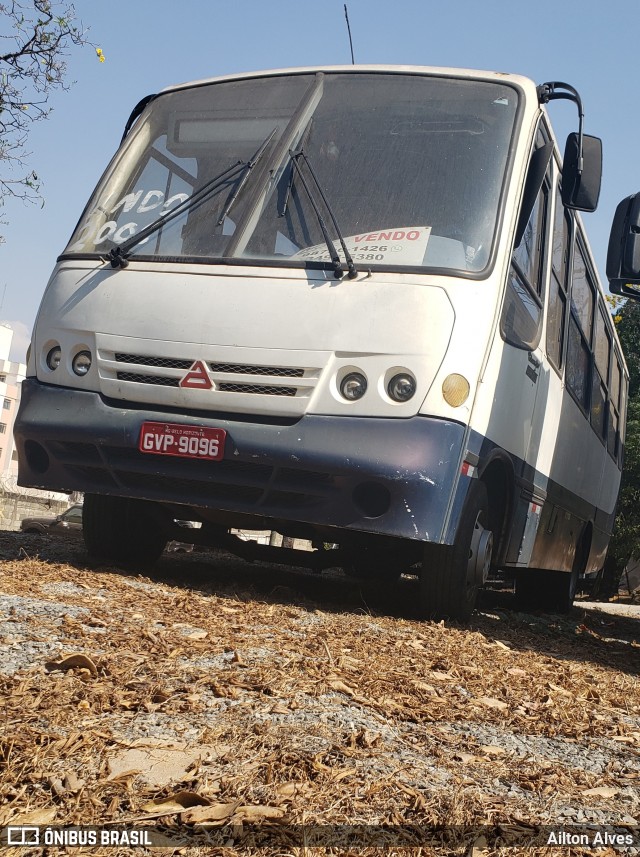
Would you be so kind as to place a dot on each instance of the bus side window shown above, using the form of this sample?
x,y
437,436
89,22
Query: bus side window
x,y
614,440
580,321
624,402
522,310
600,378
558,284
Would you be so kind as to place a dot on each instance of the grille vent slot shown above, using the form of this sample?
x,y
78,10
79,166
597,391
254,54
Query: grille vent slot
x,y
232,383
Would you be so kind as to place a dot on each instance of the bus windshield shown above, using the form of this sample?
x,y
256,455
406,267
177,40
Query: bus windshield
x,y
412,167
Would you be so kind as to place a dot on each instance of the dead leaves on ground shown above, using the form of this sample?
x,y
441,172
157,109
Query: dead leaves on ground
x,y
259,675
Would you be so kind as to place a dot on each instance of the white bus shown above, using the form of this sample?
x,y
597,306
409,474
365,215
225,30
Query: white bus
x,y
352,305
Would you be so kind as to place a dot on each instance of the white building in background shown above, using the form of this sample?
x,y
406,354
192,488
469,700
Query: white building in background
x,y
11,377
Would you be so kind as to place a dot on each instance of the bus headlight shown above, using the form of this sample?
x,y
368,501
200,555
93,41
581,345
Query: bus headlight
x,y
401,387
455,389
54,357
353,386
81,363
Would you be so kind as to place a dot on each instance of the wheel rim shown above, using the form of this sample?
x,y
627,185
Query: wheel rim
x,y
480,552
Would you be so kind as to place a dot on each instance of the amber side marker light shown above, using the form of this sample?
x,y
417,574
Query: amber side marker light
x,y
455,390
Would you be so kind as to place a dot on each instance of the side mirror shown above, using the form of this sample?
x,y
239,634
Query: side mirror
x,y
581,189
623,255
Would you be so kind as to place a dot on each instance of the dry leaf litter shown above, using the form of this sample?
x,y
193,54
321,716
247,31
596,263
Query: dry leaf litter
x,y
216,692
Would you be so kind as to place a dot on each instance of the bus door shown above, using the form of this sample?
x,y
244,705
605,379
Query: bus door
x,y
521,327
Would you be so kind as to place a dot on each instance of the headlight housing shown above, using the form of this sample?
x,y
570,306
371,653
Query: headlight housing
x,y
53,358
81,363
401,387
353,386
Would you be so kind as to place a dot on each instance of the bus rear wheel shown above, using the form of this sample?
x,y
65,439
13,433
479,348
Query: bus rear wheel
x,y
563,588
553,591
451,577
548,591
122,530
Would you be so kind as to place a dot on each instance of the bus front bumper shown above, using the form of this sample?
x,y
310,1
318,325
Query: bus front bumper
x,y
392,477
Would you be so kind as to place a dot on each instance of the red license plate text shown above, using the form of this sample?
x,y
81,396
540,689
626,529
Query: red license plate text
x,y
182,441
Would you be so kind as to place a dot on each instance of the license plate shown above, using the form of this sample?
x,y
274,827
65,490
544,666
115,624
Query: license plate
x,y
183,441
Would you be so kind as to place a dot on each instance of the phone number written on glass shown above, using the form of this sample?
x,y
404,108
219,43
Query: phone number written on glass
x,y
373,253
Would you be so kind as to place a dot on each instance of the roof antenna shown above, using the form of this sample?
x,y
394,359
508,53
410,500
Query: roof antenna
x,y
346,15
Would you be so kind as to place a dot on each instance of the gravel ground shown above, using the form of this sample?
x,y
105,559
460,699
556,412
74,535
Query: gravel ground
x,y
267,693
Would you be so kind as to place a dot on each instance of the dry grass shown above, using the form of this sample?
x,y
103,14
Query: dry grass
x,y
288,703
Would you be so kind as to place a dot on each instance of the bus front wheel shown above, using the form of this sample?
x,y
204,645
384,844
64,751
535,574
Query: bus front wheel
x,y
121,530
451,576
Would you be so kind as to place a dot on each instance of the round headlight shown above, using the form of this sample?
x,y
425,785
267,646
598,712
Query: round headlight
x,y
81,363
353,386
455,389
54,357
401,387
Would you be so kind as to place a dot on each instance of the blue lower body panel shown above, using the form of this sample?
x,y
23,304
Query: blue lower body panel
x,y
392,477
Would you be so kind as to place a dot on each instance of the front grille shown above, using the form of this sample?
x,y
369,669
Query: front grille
x,y
256,388
229,384
156,362
274,371
158,380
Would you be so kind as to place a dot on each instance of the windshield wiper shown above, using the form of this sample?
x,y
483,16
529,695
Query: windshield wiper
x,y
292,173
245,176
118,256
338,270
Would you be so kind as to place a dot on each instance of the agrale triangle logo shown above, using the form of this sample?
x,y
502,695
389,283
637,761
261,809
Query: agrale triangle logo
x,y
197,378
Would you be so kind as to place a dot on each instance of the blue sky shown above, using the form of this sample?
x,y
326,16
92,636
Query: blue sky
x,y
150,44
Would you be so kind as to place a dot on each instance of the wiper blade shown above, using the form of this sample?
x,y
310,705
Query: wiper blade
x,y
292,174
245,176
118,256
338,270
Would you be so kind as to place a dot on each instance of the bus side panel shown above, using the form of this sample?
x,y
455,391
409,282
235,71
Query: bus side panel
x,y
564,480
582,492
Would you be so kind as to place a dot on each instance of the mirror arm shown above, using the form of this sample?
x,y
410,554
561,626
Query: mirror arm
x,y
548,92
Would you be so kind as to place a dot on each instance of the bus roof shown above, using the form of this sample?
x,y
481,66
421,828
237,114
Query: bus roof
x,y
524,83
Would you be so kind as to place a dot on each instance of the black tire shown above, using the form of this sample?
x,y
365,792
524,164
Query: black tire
x,y
608,579
530,590
122,530
562,590
548,591
552,591
448,584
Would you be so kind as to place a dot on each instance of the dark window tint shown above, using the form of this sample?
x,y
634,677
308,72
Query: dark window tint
x,y
602,345
582,293
598,404
522,310
558,284
578,358
555,322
